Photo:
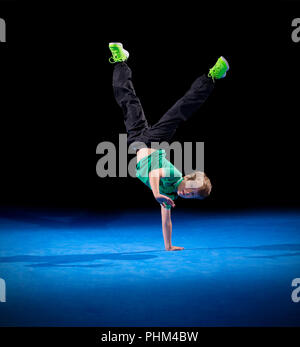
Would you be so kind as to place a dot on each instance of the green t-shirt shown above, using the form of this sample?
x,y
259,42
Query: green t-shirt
x,y
167,185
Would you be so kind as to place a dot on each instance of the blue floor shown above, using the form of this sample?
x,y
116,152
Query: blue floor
x,y
75,268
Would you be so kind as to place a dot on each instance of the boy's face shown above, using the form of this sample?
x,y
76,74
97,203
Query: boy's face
x,y
190,189
188,193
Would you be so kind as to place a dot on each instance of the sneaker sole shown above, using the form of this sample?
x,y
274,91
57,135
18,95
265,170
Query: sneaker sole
x,y
115,43
226,62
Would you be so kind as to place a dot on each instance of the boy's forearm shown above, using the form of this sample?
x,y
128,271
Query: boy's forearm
x,y
166,227
154,179
167,234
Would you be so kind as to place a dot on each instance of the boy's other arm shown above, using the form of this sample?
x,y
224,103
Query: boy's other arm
x,y
154,178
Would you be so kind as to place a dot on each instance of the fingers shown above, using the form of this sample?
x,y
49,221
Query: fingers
x,y
166,201
170,202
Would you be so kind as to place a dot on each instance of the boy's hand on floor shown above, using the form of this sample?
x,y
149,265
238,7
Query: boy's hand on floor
x,y
164,200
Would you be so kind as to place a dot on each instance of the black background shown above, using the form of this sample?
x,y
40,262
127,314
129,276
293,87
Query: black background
x,y
57,102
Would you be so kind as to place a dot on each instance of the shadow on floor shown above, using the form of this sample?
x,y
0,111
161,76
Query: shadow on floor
x,y
52,260
284,247
57,260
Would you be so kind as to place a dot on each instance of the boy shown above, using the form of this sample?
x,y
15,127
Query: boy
x,y
153,169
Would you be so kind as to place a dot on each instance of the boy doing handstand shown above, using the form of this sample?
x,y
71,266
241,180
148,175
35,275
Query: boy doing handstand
x,y
153,169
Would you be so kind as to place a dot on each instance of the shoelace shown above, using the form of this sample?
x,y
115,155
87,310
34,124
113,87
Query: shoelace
x,y
114,58
215,70
111,60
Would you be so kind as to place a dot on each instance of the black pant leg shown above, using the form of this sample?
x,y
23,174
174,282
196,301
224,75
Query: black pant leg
x,y
134,117
183,109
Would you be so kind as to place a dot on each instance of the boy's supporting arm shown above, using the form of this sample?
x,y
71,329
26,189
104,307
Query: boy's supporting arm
x,y
154,178
166,227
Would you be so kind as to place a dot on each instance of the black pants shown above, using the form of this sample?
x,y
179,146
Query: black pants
x,y
137,127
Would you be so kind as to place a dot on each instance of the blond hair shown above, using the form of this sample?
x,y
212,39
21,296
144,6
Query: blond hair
x,y
201,182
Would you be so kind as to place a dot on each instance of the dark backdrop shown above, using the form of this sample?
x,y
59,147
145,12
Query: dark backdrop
x,y
57,102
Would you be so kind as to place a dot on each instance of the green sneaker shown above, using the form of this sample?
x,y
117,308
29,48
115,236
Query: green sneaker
x,y
119,54
219,70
